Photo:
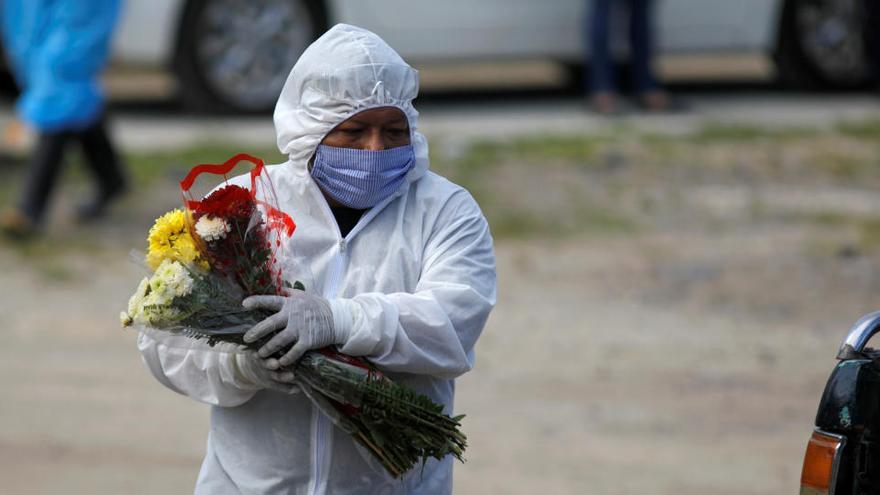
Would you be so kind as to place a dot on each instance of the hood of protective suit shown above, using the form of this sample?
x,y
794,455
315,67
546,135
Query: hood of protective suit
x,y
344,72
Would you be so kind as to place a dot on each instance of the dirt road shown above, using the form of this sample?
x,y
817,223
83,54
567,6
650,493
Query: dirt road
x,y
594,376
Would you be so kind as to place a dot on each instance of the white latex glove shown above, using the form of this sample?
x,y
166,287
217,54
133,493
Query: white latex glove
x,y
305,320
253,369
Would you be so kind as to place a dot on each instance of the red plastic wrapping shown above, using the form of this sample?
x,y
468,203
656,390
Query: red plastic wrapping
x,y
239,230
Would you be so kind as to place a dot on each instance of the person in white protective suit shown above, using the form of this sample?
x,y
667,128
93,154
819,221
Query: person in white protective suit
x,y
402,273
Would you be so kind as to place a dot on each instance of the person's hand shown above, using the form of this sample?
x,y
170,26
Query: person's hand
x,y
253,369
304,320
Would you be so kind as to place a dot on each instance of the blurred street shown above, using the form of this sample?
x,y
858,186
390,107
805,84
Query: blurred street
x,y
157,124
673,290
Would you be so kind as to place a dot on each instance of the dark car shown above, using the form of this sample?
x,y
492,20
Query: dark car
x,y
843,454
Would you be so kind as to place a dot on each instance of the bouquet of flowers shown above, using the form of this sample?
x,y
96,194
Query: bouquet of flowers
x,y
207,258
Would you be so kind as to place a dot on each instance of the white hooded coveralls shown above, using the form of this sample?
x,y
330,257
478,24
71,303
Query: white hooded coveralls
x,y
414,280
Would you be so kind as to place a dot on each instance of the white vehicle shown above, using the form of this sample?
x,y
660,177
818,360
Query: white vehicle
x,y
236,54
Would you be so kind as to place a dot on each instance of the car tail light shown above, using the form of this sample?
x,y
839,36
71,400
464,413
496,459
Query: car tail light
x,y
820,463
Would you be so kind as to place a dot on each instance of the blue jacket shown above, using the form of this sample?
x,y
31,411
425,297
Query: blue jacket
x,y
57,49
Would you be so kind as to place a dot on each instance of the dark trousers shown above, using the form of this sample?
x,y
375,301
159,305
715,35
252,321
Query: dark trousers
x,y
601,75
46,161
872,37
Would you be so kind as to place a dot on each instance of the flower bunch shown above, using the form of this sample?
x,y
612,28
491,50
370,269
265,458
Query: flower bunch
x,y
234,238
207,259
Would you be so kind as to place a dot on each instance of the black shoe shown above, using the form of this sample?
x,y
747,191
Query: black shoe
x,y
17,225
658,101
604,103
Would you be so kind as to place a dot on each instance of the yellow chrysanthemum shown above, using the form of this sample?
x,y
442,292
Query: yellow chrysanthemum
x,y
169,239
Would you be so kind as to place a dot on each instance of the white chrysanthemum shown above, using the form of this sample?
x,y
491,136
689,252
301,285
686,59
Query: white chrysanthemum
x,y
152,303
211,228
136,301
135,304
158,315
170,280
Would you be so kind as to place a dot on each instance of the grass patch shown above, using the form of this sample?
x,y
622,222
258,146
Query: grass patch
x,y
828,219
147,167
54,271
8,190
535,149
515,224
509,179
521,223
144,168
617,181
45,247
48,256
864,129
869,233
849,167
568,148
866,229
602,220
719,132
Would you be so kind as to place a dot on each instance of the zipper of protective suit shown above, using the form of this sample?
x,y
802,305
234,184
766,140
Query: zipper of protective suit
x,y
323,431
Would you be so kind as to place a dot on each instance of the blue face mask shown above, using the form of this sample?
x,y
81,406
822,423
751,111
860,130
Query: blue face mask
x,y
360,178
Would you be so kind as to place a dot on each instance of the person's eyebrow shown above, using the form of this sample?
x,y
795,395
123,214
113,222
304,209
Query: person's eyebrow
x,y
399,120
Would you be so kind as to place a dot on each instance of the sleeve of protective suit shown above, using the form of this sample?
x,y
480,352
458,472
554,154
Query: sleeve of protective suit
x,y
219,376
433,330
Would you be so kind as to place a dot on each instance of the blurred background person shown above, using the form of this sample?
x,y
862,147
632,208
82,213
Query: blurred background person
x,y
57,49
872,39
601,77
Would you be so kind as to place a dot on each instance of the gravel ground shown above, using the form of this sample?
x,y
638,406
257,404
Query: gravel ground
x,y
601,371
